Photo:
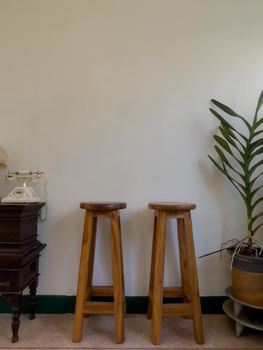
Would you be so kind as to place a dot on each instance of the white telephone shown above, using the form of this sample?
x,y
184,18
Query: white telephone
x,y
24,193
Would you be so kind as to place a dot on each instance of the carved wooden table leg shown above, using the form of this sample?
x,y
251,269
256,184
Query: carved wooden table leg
x,y
15,300
32,300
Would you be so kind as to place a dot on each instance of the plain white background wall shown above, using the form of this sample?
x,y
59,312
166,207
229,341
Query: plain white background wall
x,y
110,98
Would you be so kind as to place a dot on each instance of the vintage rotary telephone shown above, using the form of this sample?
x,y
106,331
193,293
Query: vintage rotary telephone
x,y
24,193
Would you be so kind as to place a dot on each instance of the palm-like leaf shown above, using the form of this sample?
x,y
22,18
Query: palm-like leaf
x,y
241,159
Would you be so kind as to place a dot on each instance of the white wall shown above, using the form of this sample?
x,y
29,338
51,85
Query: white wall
x,y
111,99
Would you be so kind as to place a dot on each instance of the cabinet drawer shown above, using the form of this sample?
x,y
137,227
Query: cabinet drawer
x,y
12,280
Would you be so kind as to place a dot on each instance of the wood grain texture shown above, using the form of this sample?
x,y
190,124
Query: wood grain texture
x,y
103,206
189,290
157,292
171,206
117,277
83,277
84,304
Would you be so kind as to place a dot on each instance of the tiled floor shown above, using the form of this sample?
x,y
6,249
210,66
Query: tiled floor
x,y
54,332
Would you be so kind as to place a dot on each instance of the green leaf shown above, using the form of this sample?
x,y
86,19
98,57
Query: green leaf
x,y
227,136
230,111
255,191
222,155
232,134
257,152
254,167
225,108
225,123
226,161
255,144
258,123
220,118
252,182
223,144
233,181
218,166
259,200
256,229
256,217
260,102
256,133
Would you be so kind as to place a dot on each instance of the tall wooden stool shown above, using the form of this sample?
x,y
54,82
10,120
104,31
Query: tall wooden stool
x,y
86,290
189,290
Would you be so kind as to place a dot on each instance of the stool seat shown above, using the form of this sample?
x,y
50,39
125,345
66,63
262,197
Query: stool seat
x,y
171,206
103,206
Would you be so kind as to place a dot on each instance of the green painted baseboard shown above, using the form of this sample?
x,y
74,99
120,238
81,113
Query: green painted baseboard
x,y
60,304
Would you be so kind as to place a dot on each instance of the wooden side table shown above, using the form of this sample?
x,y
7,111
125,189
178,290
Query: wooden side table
x,y
19,256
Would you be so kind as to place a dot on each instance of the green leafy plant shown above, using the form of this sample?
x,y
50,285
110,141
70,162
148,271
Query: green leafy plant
x,y
240,154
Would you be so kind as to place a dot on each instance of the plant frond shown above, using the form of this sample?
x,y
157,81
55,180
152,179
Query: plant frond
x,y
256,133
260,102
256,229
223,143
254,167
256,190
241,159
258,123
233,181
226,161
227,137
255,179
257,152
233,136
254,205
256,217
254,145
232,139
224,122
230,111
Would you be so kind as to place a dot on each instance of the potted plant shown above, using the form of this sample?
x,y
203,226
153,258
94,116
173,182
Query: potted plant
x,y
240,159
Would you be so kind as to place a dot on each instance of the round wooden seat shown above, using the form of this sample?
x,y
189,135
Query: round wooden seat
x,y
171,206
103,206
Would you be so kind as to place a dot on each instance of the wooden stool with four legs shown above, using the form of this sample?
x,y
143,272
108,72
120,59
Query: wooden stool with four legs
x,y
84,304
189,290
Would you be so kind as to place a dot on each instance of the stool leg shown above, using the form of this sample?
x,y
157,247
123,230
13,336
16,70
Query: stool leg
x,y
91,258
123,281
83,277
195,298
117,278
157,297
183,258
149,313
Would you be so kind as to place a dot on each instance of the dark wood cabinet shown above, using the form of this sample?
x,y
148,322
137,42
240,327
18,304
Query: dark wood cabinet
x,y
19,256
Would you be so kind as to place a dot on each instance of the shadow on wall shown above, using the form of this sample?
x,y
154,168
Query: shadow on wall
x,y
224,195
137,240
142,251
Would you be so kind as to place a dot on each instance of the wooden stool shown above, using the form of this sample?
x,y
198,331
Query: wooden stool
x,y
189,290
85,290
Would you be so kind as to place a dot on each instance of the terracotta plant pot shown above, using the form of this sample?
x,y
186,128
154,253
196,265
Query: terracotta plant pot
x,y
247,279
